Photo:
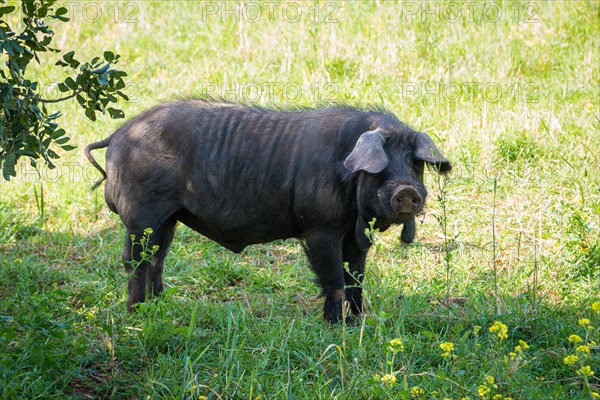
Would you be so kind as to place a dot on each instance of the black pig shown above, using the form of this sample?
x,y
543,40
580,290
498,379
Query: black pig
x,y
242,174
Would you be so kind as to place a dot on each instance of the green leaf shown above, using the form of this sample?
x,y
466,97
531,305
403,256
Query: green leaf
x,y
81,100
103,80
102,69
123,95
116,73
68,57
8,169
57,133
13,48
109,56
90,113
42,12
6,10
74,64
62,140
61,11
71,83
54,115
115,113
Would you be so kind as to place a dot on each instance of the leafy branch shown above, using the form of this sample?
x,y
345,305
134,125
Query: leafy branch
x,y
27,128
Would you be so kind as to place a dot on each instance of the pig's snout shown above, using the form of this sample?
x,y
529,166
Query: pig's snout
x,y
406,200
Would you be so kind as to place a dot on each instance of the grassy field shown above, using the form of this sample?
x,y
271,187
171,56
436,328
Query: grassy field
x,y
497,298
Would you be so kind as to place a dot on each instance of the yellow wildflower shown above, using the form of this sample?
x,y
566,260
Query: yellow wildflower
x,y
583,321
512,355
202,398
490,380
447,347
396,346
497,397
596,306
500,329
388,379
595,395
571,359
523,344
589,107
483,390
476,330
585,371
575,339
416,392
583,349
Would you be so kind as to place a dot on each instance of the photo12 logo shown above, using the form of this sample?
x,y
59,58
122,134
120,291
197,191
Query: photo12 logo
x,y
65,172
469,92
270,92
469,11
119,12
271,11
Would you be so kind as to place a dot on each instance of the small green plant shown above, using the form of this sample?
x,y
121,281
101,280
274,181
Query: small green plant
x,y
386,385
579,358
371,231
516,147
40,203
582,242
147,251
442,219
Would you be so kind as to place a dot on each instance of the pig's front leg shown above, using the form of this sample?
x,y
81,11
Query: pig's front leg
x,y
324,251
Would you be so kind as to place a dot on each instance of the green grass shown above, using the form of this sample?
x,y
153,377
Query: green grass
x,y
249,326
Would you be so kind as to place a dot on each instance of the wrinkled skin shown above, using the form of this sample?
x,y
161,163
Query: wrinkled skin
x,y
242,175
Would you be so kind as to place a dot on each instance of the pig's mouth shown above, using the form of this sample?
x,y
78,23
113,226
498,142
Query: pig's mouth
x,y
401,217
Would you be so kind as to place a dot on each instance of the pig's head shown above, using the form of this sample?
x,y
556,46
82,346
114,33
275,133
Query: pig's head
x,y
390,188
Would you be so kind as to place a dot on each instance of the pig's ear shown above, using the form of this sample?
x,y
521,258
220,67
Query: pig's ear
x,y
368,154
426,151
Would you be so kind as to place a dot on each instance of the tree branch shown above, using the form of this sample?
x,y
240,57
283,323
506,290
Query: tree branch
x,y
46,101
